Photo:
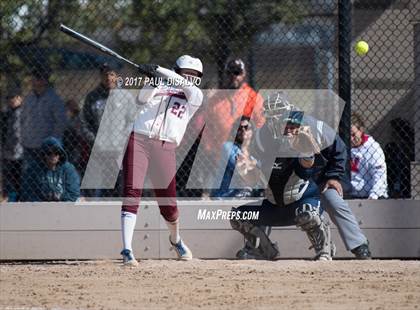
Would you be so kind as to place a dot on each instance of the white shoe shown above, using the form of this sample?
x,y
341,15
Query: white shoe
x,y
182,251
128,258
323,257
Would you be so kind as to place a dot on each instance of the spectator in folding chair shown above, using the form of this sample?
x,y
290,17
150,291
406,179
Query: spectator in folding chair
x,y
237,154
53,178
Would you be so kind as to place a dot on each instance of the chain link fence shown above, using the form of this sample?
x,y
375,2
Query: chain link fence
x,y
385,88
283,44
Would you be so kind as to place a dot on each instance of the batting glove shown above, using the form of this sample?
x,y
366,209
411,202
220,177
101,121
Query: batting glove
x,y
148,69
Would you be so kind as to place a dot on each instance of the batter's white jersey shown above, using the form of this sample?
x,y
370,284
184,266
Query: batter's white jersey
x,y
167,110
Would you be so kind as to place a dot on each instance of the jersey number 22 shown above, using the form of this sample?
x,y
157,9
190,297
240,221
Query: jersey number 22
x,y
178,109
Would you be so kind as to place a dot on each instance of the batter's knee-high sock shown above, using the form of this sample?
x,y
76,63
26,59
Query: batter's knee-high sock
x,y
173,228
128,223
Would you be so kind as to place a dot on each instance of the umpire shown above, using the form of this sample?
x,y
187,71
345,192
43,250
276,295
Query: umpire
x,y
331,180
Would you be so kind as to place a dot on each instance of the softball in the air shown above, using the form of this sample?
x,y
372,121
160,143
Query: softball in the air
x,y
361,48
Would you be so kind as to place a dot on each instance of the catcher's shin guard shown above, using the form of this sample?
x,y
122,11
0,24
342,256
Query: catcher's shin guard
x,y
317,230
250,252
256,239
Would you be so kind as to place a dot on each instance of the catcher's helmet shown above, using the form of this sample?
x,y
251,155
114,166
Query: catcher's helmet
x,y
277,105
277,110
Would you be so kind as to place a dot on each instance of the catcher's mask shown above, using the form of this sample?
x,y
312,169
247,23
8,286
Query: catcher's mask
x,y
280,115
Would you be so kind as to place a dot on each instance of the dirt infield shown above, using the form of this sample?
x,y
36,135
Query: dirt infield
x,y
212,284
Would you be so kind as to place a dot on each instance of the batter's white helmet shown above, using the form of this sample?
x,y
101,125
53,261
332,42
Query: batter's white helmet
x,y
188,62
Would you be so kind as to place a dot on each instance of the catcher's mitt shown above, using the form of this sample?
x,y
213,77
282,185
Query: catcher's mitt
x,y
304,142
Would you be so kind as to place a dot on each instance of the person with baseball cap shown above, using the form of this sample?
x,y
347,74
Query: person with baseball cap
x,y
243,101
246,100
94,105
92,112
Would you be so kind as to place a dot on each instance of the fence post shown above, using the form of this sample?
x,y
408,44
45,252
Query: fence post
x,y
344,70
417,89
415,166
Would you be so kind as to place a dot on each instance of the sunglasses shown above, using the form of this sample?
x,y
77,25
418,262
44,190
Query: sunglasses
x,y
235,72
245,127
52,153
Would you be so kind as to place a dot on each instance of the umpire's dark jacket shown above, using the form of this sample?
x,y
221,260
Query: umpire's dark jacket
x,y
332,161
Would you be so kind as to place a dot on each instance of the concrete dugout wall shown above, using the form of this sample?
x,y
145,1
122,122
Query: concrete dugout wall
x,y
91,230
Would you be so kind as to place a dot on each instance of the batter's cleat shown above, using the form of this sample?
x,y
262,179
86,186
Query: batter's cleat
x,y
362,251
182,251
128,258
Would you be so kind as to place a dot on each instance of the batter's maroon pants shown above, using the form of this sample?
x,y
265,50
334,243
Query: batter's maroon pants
x,y
156,159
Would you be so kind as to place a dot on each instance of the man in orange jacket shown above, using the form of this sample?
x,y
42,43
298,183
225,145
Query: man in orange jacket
x,y
227,106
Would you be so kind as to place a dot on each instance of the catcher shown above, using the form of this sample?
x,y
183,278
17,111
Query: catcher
x,y
292,196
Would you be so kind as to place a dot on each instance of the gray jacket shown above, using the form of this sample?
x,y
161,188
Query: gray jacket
x,y
42,117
